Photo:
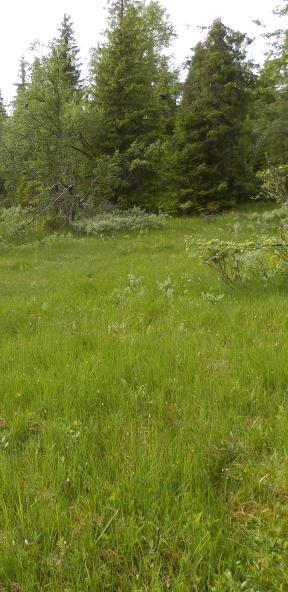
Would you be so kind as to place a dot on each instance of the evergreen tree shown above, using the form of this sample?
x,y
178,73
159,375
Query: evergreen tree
x,y
22,83
133,92
211,148
67,52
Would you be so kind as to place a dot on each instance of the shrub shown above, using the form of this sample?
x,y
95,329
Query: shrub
x,y
117,221
12,222
262,257
277,217
274,183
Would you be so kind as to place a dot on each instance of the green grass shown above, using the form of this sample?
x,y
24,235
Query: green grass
x,y
143,429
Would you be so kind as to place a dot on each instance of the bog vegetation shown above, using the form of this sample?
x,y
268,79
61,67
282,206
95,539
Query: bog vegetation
x,y
143,318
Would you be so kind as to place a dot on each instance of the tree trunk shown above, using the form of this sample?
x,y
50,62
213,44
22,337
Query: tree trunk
x,y
121,9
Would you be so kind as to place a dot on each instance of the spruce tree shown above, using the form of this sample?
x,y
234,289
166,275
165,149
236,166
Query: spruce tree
x,y
210,153
133,93
67,52
22,83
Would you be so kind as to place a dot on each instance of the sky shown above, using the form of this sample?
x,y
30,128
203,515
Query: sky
x,y
22,22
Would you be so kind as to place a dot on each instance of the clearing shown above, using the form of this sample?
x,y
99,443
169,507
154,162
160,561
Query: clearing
x,y
143,419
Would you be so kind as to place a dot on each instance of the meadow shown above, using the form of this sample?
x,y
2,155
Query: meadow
x,y
143,418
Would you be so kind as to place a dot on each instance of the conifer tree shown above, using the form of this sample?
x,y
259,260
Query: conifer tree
x,y
22,83
210,152
133,92
67,51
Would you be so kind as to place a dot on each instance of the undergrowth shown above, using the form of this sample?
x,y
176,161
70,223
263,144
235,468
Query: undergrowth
x,y
115,221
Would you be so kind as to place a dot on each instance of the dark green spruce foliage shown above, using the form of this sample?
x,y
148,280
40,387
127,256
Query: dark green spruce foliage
x,y
211,155
134,96
67,53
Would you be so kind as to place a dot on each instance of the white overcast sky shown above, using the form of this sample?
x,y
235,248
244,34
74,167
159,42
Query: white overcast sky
x,y
23,21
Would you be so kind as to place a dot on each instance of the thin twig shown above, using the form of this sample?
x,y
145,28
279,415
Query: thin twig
x,y
107,526
39,213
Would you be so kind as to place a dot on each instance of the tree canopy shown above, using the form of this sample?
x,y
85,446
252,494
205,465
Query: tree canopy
x,y
132,132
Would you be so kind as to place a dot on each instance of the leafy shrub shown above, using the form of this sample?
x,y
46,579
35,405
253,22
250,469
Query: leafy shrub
x,y
262,257
274,182
116,221
182,203
276,217
12,221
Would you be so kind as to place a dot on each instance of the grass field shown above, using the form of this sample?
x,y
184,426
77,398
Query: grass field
x,y
143,420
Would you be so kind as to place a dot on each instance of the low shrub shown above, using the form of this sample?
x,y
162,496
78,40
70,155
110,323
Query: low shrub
x,y
274,218
236,262
262,256
274,183
12,222
116,221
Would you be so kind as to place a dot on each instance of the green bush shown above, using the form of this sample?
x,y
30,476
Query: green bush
x,y
263,256
12,222
274,218
236,262
116,221
274,183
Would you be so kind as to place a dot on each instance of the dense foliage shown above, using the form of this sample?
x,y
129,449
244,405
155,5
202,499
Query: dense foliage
x,y
266,254
133,133
211,148
108,223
